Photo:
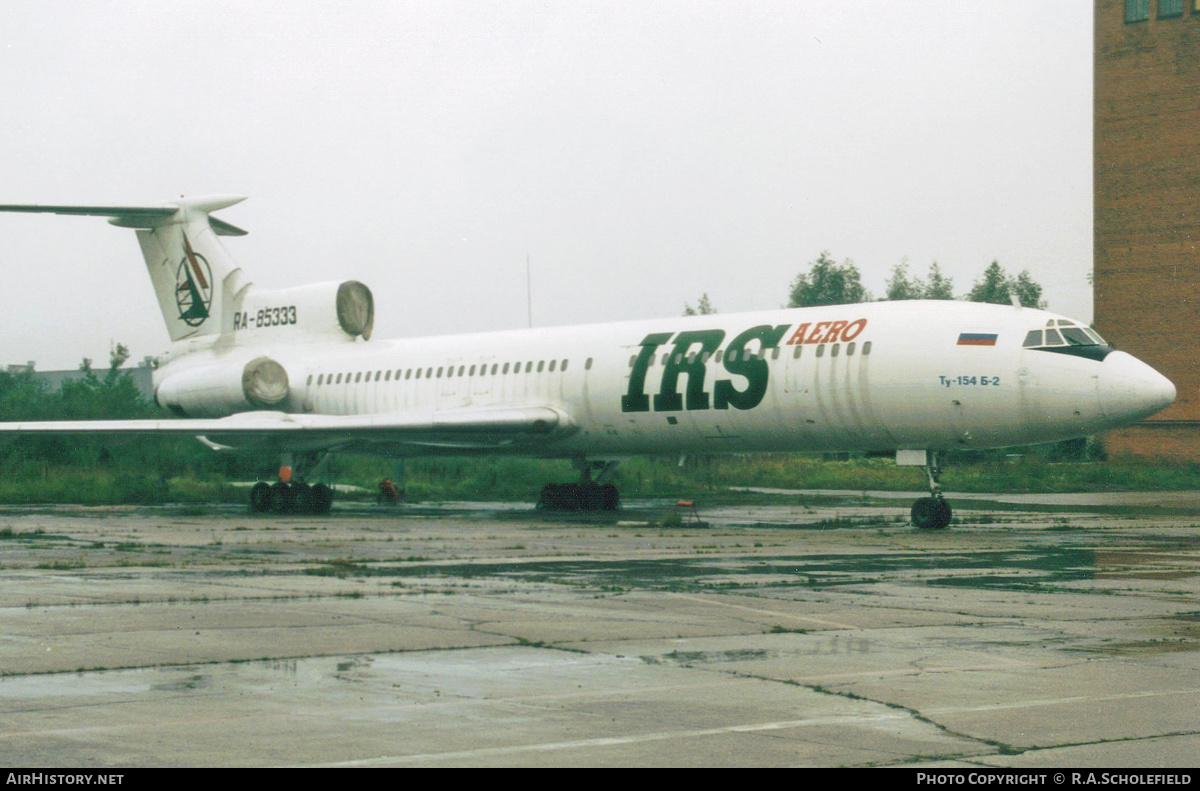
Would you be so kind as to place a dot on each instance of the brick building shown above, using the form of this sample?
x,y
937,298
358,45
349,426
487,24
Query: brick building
x,y
1147,205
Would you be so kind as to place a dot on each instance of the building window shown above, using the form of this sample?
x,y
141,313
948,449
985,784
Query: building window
x,y
1170,8
1137,10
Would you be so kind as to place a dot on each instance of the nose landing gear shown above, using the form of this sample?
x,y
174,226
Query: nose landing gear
x,y
932,512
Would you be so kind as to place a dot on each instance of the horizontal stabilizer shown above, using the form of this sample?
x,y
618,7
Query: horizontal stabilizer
x,y
143,217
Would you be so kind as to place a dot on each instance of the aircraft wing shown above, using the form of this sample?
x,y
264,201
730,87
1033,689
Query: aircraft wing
x,y
457,430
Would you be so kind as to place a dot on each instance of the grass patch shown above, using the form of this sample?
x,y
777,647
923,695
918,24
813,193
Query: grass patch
x,y
520,480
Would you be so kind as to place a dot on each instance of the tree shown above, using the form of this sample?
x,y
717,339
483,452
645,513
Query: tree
x,y
900,287
827,283
938,286
703,308
996,287
1028,292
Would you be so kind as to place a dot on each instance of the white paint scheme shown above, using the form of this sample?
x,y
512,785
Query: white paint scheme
x,y
905,394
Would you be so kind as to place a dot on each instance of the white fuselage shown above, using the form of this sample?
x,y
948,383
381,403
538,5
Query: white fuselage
x,y
872,376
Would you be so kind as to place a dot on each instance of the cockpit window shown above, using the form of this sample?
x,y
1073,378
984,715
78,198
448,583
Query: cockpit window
x,y
1067,337
1075,336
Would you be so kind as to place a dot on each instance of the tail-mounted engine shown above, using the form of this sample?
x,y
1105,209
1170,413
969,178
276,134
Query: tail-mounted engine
x,y
345,310
222,389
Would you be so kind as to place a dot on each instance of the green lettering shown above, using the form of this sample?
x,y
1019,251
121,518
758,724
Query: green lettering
x,y
668,398
635,399
755,371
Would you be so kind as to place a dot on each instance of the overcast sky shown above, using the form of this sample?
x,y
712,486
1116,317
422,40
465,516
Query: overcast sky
x,y
640,153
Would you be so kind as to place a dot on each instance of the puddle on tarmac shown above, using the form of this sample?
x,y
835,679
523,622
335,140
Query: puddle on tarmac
x,y
1024,570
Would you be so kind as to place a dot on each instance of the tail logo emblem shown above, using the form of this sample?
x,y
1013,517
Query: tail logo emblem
x,y
193,286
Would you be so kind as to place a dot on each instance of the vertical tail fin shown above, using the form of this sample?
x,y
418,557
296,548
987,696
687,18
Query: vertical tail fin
x,y
193,275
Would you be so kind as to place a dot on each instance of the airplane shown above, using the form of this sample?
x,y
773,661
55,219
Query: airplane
x,y
294,371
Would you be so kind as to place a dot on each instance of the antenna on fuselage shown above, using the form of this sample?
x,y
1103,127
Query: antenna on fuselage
x,y
1016,303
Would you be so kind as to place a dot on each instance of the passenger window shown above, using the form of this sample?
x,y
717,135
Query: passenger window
x,y
529,366
866,348
796,352
321,379
506,368
449,372
820,350
719,355
850,349
339,379
541,365
564,366
461,368
553,365
587,365
632,359
666,357
732,355
429,372
309,379
358,377
775,353
418,373
833,350
408,373
1034,338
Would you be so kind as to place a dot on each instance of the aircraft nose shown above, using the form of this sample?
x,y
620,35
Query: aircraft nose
x,y
1130,390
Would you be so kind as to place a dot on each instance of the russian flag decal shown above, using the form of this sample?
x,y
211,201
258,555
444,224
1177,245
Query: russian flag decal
x,y
977,339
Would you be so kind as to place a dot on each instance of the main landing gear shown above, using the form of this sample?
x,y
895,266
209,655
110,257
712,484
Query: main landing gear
x,y
292,494
932,512
587,495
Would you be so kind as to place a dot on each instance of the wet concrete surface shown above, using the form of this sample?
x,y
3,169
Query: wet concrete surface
x,y
816,629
